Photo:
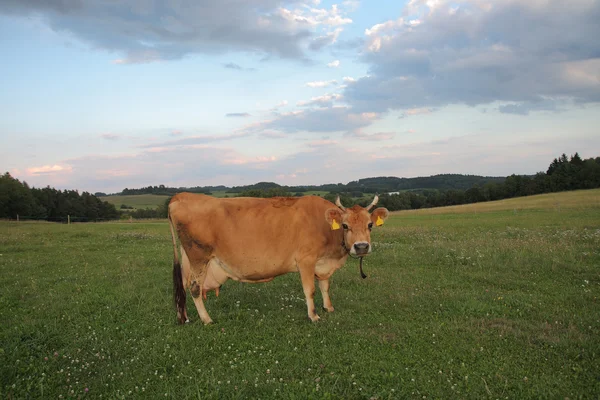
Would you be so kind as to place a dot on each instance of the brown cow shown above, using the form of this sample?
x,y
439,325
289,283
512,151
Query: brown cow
x,y
255,240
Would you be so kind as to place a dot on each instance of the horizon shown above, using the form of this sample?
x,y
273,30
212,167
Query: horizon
x,y
269,182
99,97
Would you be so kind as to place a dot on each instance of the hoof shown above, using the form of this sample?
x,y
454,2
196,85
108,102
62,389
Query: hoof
x,y
330,309
187,321
314,318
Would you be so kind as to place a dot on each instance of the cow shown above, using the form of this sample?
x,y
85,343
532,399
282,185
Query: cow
x,y
256,239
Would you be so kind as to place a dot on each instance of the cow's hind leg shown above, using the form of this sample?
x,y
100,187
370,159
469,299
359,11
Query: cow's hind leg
x,y
307,274
196,290
198,258
185,278
324,286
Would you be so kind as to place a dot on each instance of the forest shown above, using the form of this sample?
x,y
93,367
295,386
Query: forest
x,y
564,173
18,200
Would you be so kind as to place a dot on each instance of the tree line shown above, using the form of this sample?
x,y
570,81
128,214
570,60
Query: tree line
x,y
564,173
169,191
380,184
18,199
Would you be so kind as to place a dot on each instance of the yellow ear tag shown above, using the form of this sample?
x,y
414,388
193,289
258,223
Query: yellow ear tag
x,y
335,226
379,221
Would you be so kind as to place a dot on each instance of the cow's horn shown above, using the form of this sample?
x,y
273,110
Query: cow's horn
x,y
339,203
375,200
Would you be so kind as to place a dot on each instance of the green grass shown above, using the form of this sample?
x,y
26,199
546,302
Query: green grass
x,y
136,200
315,193
496,304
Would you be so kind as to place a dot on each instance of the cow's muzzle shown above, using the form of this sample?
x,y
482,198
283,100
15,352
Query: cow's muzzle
x,y
361,248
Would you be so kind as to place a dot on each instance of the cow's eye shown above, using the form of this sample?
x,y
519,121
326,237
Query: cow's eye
x,y
370,225
345,226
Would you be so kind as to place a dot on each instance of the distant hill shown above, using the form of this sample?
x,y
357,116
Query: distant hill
x,y
439,182
383,184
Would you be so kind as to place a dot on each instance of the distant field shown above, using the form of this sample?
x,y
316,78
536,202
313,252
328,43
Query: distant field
x,y
495,303
316,193
579,199
136,200
222,193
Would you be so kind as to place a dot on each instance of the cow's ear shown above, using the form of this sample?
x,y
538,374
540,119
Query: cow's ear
x,y
379,215
333,216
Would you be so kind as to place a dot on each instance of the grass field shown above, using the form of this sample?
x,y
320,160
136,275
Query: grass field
x,y
575,200
497,302
136,200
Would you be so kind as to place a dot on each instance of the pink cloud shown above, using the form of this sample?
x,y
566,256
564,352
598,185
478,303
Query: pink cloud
x,y
248,160
49,170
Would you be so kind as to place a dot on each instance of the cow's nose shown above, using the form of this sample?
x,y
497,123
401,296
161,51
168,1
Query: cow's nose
x,y
361,247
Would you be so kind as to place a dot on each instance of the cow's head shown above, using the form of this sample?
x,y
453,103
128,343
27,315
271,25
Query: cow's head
x,y
356,224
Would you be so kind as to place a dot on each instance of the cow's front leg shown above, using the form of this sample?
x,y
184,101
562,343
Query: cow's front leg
x,y
307,274
324,286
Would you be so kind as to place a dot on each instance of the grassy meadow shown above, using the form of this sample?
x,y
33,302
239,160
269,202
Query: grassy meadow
x,y
497,300
136,201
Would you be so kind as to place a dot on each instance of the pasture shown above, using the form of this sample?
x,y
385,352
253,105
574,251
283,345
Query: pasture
x,y
497,302
137,201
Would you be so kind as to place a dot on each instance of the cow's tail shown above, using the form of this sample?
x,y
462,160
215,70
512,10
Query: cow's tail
x,y
179,296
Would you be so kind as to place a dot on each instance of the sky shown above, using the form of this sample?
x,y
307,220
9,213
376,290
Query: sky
x,y
102,95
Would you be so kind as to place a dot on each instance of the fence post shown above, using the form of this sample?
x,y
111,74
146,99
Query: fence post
x,y
17,217
68,220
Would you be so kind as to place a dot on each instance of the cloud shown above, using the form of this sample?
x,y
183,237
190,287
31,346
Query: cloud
x,y
329,119
232,66
195,140
237,115
478,52
237,67
315,17
373,137
525,108
416,111
49,170
321,101
321,84
143,31
272,135
334,64
322,143
279,105
186,165
109,136
175,132
248,160
325,40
